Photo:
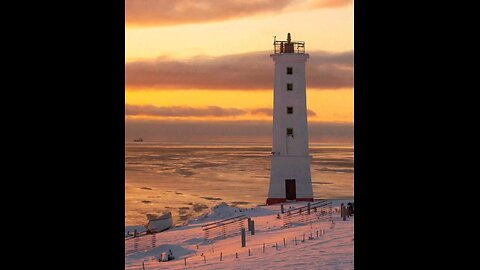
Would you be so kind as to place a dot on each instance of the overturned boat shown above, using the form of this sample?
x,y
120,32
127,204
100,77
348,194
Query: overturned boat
x,y
161,223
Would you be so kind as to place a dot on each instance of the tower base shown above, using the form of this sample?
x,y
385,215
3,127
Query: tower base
x,y
271,201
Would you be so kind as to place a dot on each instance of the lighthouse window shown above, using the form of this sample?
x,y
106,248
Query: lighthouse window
x,y
289,86
289,70
290,132
289,110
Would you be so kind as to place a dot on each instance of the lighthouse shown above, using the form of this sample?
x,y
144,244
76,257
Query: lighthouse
x,y
290,178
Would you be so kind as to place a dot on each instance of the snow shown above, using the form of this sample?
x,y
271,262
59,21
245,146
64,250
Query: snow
x,y
332,249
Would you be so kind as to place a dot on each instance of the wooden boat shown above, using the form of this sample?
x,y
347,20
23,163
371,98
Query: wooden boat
x,y
161,223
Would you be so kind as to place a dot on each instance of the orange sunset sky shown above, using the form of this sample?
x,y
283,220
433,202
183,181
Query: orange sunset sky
x,y
201,71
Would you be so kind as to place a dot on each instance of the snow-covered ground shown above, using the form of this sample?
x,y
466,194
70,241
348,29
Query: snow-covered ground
x,y
332,249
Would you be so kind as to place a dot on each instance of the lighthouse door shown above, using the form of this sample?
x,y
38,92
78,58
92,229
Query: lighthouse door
x,y
290,189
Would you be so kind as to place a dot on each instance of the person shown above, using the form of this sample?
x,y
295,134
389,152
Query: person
x,y
350,209
170,255
163,257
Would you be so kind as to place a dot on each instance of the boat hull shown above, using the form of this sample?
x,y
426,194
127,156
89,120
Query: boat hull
x,y
161,223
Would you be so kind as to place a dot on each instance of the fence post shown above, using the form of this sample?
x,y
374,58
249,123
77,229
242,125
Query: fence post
x,y
135,233
284,244
204,258
248,251
243,237
303,237
281,207
143,265
249,225
220,256
185,261
308,208
276,246
252,232
295,240
263,247
236,255
135,244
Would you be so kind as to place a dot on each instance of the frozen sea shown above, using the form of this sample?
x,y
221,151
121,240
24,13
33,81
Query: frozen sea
x,y
187,179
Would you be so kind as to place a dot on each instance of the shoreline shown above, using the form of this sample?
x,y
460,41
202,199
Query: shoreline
x,y
335,203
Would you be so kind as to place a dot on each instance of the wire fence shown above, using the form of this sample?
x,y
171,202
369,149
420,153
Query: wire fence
x,y
315,212
224,228
209,254
140,243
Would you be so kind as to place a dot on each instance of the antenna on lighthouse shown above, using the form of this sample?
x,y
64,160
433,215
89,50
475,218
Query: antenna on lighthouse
x,y
288,46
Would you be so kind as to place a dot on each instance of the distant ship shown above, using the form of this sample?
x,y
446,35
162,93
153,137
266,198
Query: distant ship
x,y
138,140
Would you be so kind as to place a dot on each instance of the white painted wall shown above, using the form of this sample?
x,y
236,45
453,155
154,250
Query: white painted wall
x,y
291,159
290,167
298,145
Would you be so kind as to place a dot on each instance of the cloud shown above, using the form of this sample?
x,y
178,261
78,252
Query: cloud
x,y
269,112
184,111
248,71
171,12
329,3
227,131
262,111
180,111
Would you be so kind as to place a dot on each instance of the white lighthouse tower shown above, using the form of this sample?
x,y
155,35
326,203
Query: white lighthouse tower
x,y
290,172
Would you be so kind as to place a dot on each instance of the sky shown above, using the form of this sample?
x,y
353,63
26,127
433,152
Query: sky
x,y
201,70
